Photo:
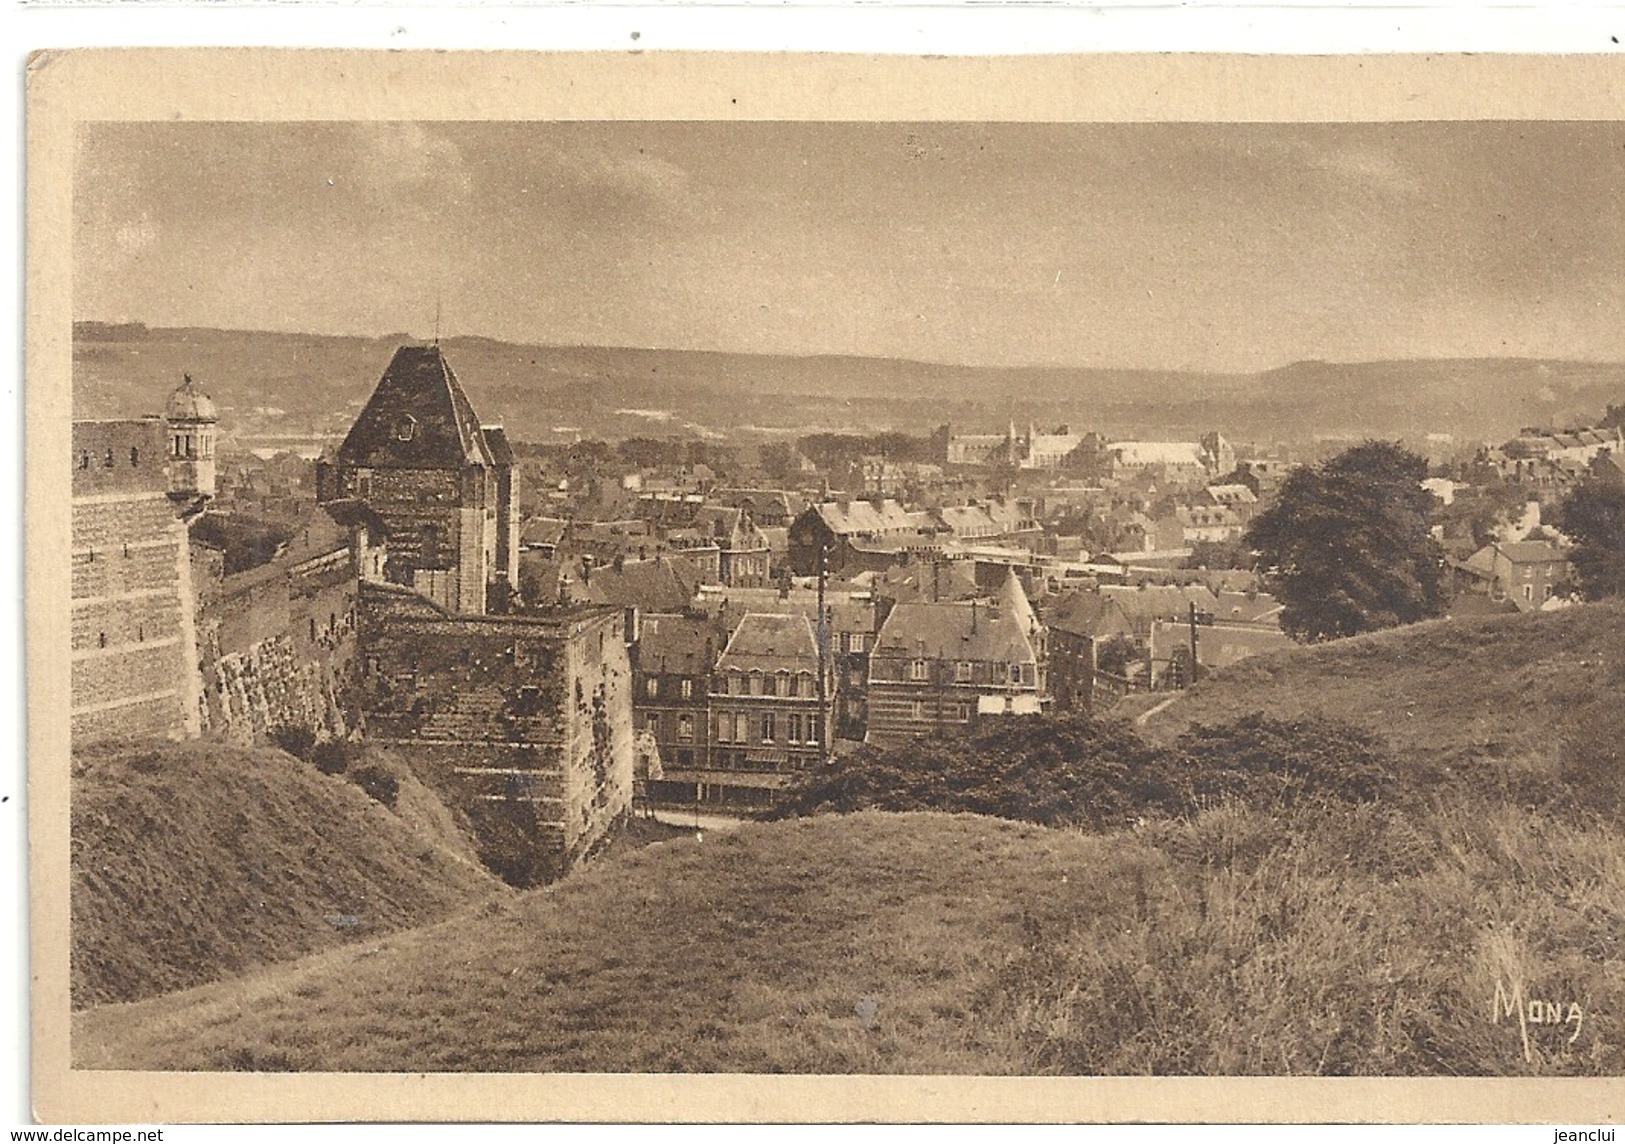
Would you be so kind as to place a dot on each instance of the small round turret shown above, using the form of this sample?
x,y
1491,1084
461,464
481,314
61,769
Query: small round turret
x,y
191,417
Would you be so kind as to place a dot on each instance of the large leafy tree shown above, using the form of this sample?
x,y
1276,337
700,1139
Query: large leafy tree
x,y
1593,516
1346,545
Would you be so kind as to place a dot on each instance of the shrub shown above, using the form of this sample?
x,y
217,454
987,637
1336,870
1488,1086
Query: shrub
x,y
1074,770
293,738
1070,770
1266,761
334,756
379,783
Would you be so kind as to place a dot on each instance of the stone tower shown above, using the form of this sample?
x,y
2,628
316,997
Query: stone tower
x,y
191,418
418,457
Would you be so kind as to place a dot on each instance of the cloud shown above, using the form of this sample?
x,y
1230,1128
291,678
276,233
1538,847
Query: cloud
x,y
633,175
407,161
135,236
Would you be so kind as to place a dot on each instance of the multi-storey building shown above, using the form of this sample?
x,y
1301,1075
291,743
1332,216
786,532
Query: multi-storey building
x,y
672,657
951,665
769,717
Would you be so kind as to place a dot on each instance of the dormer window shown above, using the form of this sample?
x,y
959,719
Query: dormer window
x,y
406,427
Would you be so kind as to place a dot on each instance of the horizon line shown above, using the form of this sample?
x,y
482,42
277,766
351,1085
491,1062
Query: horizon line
x,y
441,339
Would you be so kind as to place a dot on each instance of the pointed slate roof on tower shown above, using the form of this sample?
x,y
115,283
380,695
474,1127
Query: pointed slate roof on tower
x,y
417,417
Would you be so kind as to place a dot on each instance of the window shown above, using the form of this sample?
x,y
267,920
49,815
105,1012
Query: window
x,y
964,713
794,733
768,728
688,689
812,729
109,461
916,711
1529,592
916,670
741,728
651,687
84,460
755,683
685,727
725,728
135,455
962,671
406,428
781,685
1015,673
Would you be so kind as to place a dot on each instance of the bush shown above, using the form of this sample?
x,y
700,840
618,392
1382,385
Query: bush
x,y
379,783
298,741
1070,770
1074,770
1264,761
334,756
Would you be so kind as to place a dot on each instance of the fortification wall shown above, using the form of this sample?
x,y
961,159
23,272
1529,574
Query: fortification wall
x,y
525,722
134,653
278,650
598,771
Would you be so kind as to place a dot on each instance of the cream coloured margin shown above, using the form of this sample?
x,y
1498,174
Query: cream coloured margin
x,y
155,84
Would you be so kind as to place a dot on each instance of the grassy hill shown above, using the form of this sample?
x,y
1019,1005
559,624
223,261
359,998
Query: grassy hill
x,y
895,943
1498,694
1293,936
198,861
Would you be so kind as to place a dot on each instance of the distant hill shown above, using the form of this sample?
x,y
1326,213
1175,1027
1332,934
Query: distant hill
x,y
303,384
197,861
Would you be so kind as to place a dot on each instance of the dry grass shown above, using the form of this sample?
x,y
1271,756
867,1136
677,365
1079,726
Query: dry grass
x,y
198,861
1345,939
1446,692
1361,943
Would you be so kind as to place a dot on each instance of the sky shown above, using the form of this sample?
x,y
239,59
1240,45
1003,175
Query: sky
x,y
1227,247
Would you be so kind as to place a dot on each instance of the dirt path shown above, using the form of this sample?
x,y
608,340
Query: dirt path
x,y
1144,717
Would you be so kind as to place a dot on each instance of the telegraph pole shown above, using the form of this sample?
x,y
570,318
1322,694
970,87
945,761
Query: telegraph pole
x,y
1193,643
823,655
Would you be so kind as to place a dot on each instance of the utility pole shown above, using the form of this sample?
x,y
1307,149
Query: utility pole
x,y
823,655
1193,643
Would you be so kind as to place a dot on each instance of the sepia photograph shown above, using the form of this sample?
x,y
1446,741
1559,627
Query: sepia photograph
x,y
934,595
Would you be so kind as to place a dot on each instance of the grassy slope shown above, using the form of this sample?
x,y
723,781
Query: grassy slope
x,y
193,862
1234,944
1355,940
1449,692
